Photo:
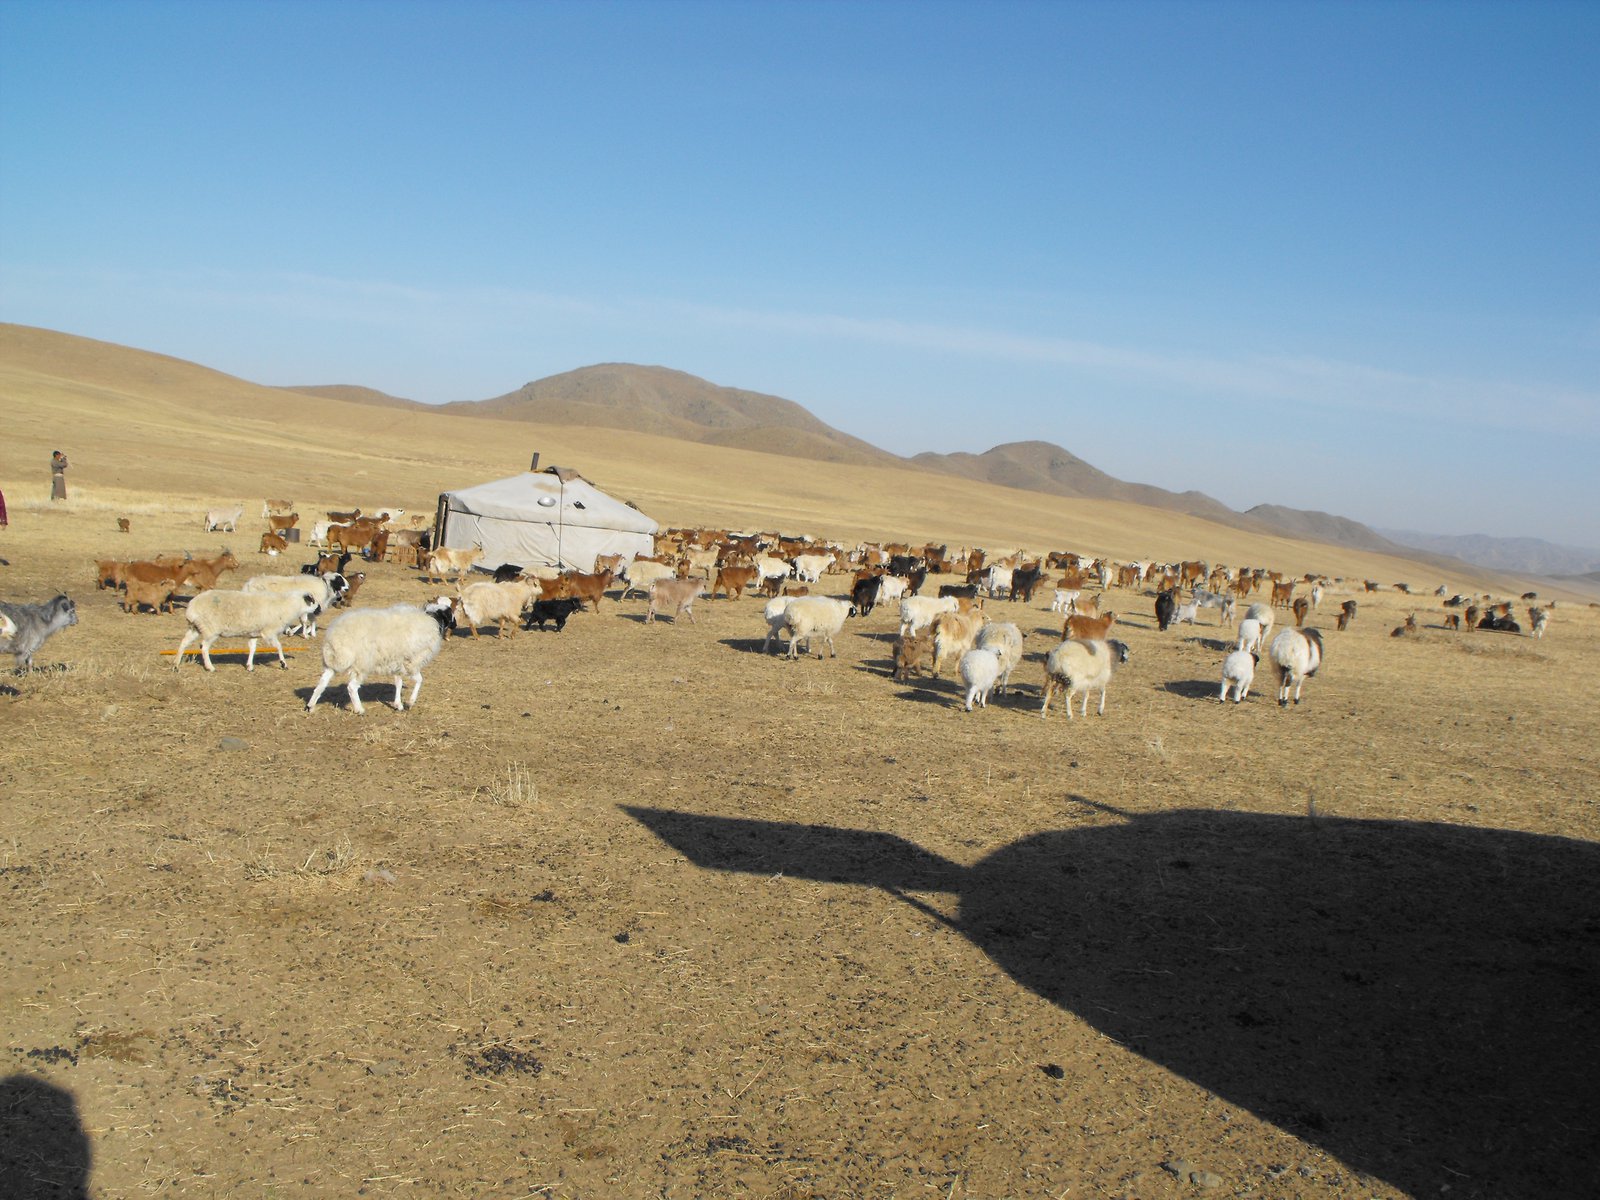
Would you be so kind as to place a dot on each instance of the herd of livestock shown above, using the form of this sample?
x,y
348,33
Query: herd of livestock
x,y
948,630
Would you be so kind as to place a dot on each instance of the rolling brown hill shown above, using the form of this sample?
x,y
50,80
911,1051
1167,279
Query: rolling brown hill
x,y
1044,467
138,419
670,403
357,395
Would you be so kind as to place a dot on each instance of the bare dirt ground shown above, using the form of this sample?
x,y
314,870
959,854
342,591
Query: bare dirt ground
x,y
636,911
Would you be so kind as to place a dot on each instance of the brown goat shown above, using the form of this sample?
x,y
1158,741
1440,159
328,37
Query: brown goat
x,y
1089,629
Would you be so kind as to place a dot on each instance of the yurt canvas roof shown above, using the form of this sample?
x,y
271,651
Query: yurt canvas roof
x,y
553,517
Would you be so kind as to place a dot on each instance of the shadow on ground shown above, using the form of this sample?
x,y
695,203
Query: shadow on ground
x,y
1423,1001
44,1151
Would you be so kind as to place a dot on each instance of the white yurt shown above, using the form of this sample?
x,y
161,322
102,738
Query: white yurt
x,y
550,518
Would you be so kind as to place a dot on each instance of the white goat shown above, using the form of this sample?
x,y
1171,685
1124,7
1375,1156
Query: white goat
x,y
1065,601
918,612
1238,672
256,615
1538,618
1075,667
30,625
499,603
807,617
773,614
641,573
892,587
216,518
1297,653
954,634
397,641
810,568
1221,601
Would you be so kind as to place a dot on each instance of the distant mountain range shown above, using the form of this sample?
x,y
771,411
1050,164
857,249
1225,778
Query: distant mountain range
x,y
665,402
1516,555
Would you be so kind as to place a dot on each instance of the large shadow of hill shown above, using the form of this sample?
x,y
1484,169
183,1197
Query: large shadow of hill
x,y
1421,1000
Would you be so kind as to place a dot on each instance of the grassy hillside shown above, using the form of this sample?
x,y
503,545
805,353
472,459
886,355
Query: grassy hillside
x,y
146,429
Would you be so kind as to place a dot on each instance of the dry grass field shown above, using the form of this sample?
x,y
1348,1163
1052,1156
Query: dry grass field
x,y
636,911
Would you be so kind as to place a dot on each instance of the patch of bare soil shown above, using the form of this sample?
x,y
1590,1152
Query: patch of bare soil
x,y
636,910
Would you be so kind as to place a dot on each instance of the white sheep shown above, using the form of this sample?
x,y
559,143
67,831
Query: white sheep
x,y
1264,616
397,641
1250,634
1297,653
1238,672
918,612
1075,667
316,585
1066,600
1189,612
807,617
255,615
980,670
1004,640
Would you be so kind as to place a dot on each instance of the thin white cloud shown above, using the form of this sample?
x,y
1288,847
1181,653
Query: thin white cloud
x,y
476,314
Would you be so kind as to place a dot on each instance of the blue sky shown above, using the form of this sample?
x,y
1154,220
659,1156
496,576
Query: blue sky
x,y
1334,256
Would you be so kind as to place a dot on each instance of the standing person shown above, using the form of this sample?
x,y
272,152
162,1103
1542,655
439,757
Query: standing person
x,y
58,476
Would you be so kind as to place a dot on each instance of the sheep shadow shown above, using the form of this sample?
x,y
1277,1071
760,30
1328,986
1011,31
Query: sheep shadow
x,y
1215,645
1420,1000
753,645
932,692
1193,689
44,1148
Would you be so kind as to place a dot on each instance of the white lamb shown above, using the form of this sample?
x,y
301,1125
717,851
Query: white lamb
x,y
808,617
980,670
1066,600
397,641
918,612
1238,672
1004,640
1297,653
1075,667
255,615
315,585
